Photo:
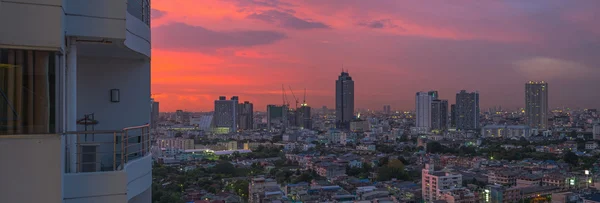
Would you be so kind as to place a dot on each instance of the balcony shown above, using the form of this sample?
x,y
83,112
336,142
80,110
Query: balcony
x,y
107,166
96,151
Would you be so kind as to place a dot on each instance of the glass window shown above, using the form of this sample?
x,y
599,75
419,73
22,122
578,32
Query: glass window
x,y
27,92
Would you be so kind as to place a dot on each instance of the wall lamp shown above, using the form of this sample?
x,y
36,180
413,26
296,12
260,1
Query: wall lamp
x,y
115,95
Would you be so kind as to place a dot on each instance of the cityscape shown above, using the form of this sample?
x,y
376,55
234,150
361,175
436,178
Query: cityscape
x,y
281,101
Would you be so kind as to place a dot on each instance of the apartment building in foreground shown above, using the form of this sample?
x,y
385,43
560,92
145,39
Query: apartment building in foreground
x,y
75,101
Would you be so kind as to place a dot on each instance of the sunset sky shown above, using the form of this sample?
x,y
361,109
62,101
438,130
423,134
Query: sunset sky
x,y
202,49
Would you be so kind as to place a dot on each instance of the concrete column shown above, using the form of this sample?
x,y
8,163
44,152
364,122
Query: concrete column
x,y
71,102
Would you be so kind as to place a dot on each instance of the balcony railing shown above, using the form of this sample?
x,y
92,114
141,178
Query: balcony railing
x,y
140,9
95,151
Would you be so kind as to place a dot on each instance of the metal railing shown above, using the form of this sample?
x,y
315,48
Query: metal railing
x,y
96,151
140,9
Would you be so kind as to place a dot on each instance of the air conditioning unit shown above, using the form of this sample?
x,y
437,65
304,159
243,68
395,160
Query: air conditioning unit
x,y
88,158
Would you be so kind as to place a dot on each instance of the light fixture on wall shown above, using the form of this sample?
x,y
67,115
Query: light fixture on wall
x,y
115,95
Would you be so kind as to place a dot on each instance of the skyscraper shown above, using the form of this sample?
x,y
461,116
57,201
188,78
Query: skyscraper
x,y
304,119
423,111
453,115
387,109
246,116
467,110
439,114
225,116
154,116
276,117
344,100
536,104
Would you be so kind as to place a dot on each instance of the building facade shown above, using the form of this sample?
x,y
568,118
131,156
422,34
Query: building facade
x,y
155,115
304,119
277,117
246,116
536,104
344,100
434,183
439,114
225,115
423,110
68,65
467,110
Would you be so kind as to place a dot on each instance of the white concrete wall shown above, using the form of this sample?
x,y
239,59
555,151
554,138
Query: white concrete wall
x,y
32,23
97,76
101,187
96,18
30,169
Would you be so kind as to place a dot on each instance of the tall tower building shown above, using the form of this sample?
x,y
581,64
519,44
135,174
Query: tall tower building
x,y
439,114
453,115
246,116
536,104
225,116
423,111
154,116
304,118
276,117
467,110
387,109
344,100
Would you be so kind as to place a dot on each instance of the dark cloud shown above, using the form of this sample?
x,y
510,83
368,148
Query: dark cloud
x,y
380,24
287,20
181,36
156,14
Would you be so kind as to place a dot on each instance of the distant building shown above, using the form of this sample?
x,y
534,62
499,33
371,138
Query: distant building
x,y
154,115
246,116
439,114
467,110
344,100
507,131
435,183
360,126
175,143
433,94
263,190
453,116
596,132
225,115
179,114
423,110
536,104
276,117
303,117
387,109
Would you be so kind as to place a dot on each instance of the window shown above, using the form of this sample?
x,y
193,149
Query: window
x,y
27,92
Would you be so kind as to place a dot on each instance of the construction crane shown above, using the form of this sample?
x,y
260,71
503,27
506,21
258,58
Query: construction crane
x,y
286,102
304,100
294,96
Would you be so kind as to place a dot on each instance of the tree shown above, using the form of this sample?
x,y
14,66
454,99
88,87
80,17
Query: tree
x,y
434,147
383,161
396,164
571,158
224,167
240,188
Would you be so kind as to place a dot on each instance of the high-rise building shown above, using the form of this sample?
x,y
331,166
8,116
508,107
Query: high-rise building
x,y
155,115
453,115
246,116
304,118
387,109
60,61
467,110
439,114
277,117
225,115
344,100
179,116
423,111
536,104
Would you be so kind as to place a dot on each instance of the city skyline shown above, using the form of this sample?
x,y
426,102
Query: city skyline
x,y
198,51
